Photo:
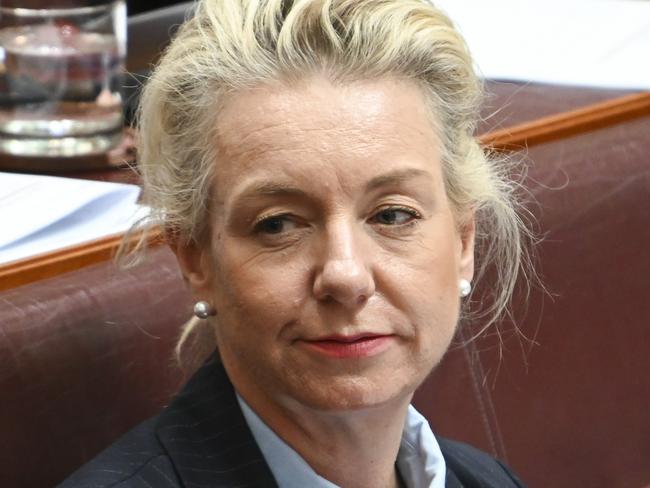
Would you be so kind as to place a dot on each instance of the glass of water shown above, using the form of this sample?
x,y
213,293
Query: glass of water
x,y
61,75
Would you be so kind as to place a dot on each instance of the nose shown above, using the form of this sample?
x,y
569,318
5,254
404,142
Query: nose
x,y
344,275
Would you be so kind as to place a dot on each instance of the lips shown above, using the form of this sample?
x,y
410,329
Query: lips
x,y
353,346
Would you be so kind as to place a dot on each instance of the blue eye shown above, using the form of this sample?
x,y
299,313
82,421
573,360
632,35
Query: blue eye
x,y
395,216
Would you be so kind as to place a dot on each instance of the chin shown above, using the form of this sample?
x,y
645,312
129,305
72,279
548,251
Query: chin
x,y
348,393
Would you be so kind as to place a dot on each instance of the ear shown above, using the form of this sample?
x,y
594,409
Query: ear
x,y
195,263
467,234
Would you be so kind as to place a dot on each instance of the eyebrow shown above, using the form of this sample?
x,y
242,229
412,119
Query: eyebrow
x,y
396,177
269,188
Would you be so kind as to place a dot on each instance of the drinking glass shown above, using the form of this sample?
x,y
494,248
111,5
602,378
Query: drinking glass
x,y
61,75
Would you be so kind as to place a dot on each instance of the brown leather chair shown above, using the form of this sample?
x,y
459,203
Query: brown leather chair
x,y
569,407
83,358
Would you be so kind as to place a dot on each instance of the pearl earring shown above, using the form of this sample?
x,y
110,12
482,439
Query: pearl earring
x,y
203,309
465,287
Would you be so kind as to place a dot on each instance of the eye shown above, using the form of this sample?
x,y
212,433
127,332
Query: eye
x,y
276,224
395,216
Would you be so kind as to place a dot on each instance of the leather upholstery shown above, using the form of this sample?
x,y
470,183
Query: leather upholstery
x,y
508,103
83,358
570,409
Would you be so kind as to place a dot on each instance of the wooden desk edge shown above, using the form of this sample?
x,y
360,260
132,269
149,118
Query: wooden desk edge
x,y
570,123
545,129
61,261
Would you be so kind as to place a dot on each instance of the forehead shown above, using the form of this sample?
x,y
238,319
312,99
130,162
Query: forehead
x,y
317,130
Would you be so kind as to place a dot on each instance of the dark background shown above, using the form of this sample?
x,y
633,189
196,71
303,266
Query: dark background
x,y
139,6
134,6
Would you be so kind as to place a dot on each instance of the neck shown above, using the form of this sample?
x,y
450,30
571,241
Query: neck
x,y
352,449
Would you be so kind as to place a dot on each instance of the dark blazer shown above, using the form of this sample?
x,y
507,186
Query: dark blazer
x,y
202,440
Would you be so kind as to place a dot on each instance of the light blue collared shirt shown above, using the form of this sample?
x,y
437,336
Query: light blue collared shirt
x,y
419,459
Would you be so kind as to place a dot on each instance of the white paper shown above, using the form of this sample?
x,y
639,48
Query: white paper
x,y
39,214
599,43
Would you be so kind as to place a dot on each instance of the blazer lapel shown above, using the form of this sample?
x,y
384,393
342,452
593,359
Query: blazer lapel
x,y
207,437
452,481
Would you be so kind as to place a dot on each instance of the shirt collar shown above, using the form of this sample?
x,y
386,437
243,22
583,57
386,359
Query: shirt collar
x,y
419,460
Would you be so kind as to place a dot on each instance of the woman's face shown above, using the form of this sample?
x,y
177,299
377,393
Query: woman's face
x,y
334,257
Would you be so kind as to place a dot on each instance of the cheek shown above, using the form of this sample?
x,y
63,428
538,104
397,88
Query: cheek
x,y
426,274
428,290
437,314
257,292
442,291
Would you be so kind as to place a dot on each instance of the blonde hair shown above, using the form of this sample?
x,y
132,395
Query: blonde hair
x,y
228,45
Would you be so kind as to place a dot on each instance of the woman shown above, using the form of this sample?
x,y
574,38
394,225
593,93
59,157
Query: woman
x,y
314,165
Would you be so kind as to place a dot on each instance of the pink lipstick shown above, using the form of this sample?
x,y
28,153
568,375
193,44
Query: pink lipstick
x,y
344,347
